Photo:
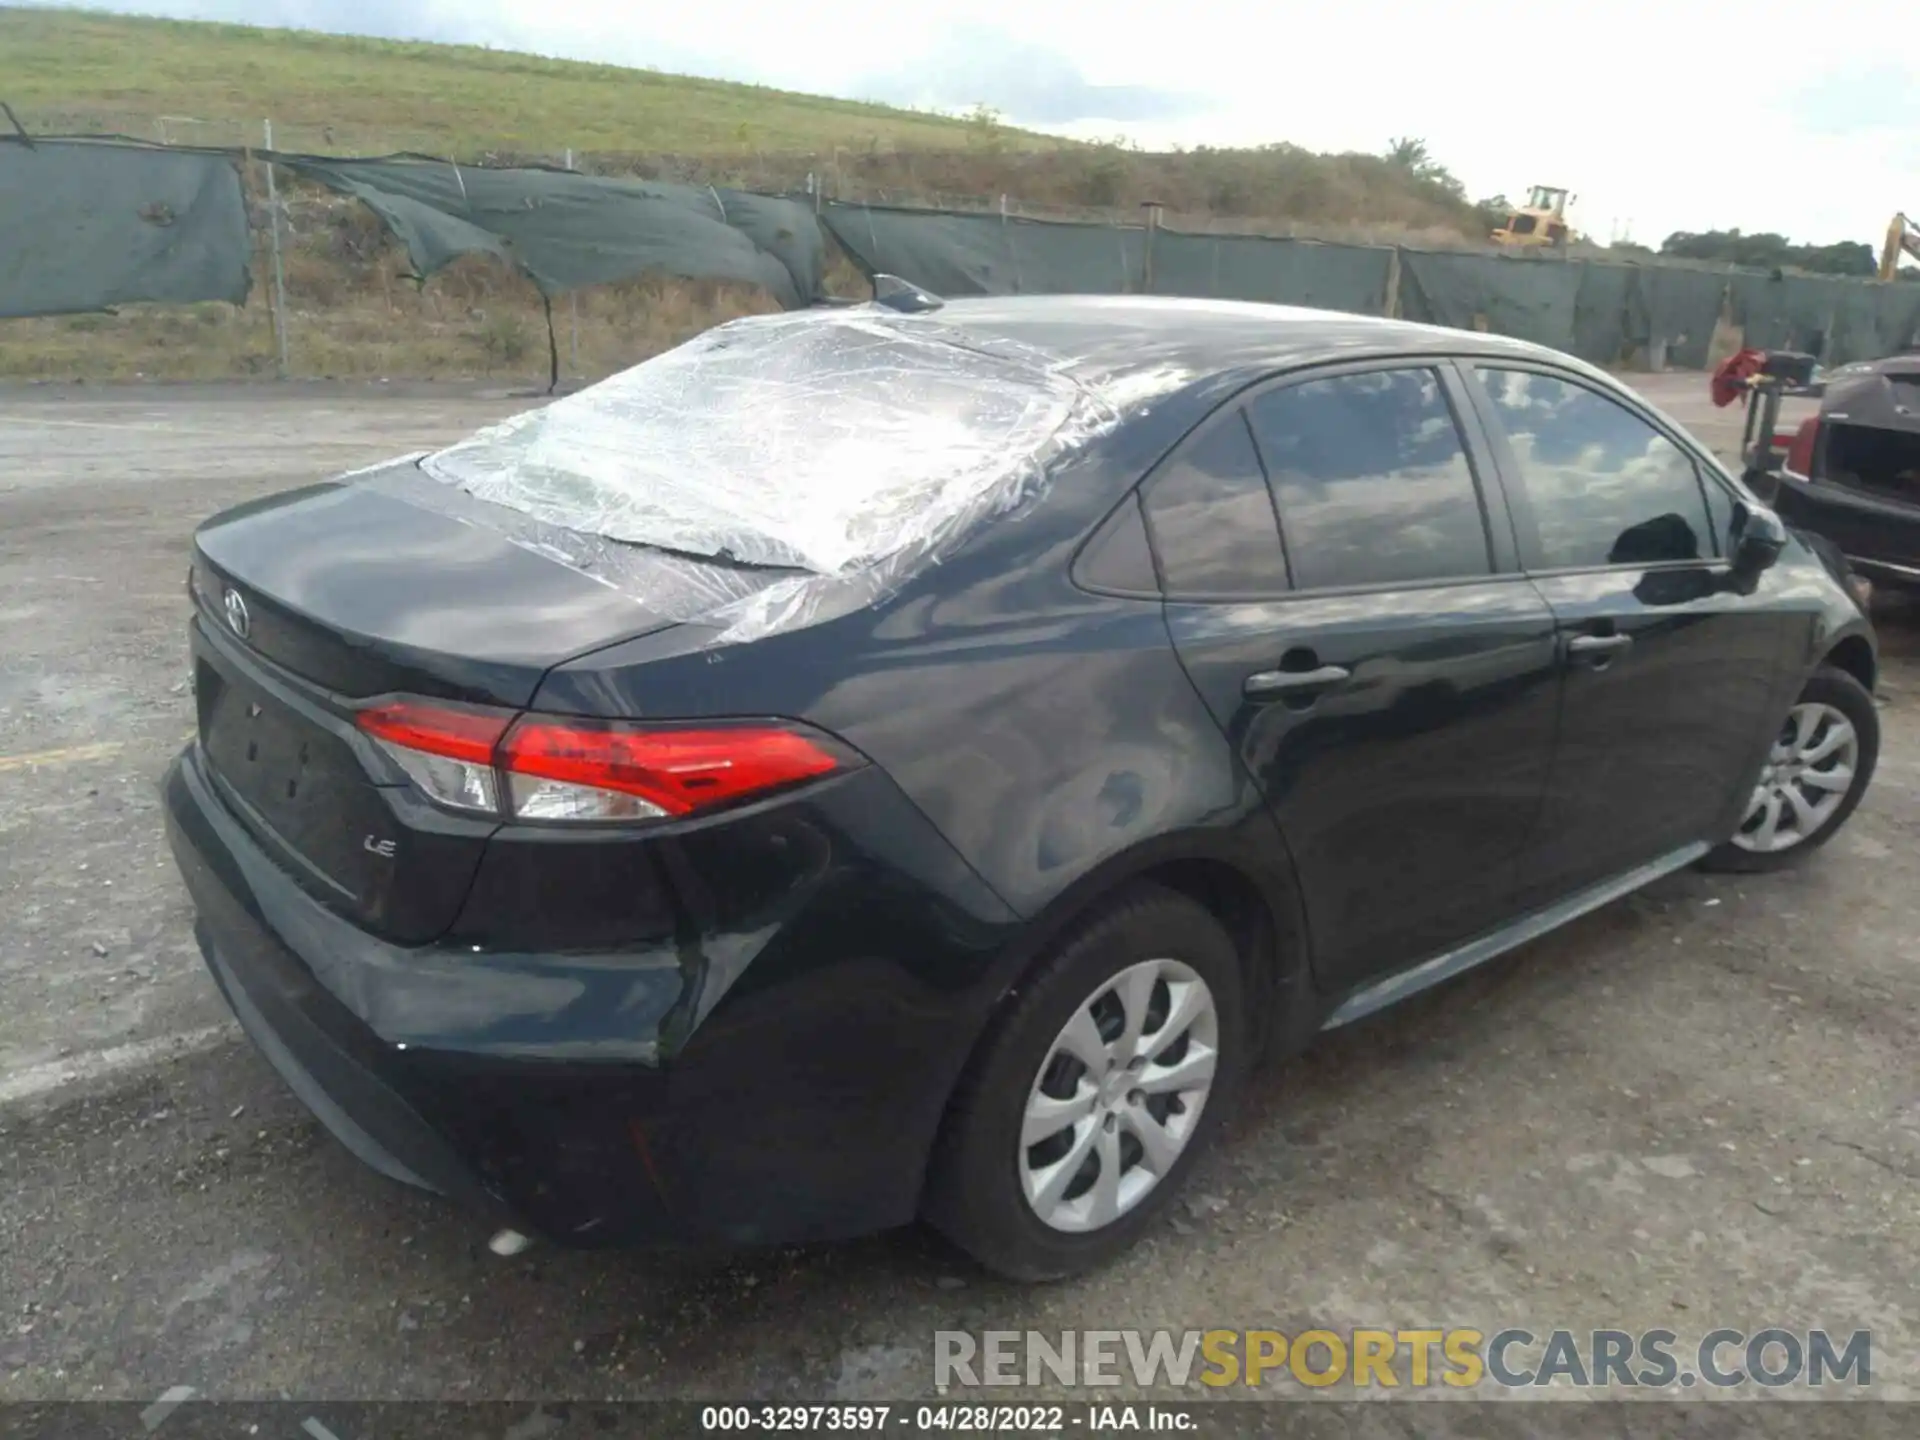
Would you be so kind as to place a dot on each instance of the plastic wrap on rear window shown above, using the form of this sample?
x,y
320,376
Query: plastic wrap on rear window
x,y
820,442
799,464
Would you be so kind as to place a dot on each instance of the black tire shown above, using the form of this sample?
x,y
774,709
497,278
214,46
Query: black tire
x,y
974,1195
1829,686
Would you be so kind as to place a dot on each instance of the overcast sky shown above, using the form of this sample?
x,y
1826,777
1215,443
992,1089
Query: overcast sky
x,y
1685,115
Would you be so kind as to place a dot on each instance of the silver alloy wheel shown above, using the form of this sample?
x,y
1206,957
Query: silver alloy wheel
x,y
1119,1095
1806,779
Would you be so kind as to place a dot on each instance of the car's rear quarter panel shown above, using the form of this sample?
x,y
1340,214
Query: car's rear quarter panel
x,y
1044,730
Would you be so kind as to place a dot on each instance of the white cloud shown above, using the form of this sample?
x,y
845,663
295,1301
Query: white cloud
x,y
1680,115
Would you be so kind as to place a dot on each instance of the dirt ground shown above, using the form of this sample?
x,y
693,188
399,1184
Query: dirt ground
x,y
1696,1108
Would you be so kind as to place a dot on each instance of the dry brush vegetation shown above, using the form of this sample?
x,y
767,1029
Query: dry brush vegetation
x,y
353,311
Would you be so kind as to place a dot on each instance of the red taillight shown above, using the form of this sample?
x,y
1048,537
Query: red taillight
x,y
567,769
678,771
1799,459
459,733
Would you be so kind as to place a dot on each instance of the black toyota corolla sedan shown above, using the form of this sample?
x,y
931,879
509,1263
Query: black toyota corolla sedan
x,y
909,760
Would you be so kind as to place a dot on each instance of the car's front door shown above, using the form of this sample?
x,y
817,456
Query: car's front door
x,y
1670,672
1345,598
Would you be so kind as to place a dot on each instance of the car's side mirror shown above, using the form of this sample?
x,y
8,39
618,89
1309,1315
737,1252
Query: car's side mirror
x,y
1758,537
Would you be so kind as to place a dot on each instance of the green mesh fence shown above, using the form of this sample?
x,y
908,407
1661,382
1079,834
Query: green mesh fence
x,y
87,223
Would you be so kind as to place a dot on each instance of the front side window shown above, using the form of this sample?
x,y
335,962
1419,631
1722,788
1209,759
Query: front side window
x,y
1371,480
1605,487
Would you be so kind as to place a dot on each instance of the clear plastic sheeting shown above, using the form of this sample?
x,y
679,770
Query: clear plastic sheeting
x,y
677,588
780,470
821,442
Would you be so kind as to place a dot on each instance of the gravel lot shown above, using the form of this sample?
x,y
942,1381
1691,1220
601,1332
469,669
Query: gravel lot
x,y
1696,1108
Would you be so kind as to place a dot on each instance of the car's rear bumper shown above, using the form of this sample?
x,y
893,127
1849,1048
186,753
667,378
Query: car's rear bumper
x,y
345,1092
725,1088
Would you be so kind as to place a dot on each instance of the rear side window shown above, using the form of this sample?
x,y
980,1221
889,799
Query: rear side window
x,y
1605,487
1212,520
1371,479
1117,558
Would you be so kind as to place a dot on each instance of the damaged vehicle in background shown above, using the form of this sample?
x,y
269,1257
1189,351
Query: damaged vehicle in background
x,y
1851,473
910,760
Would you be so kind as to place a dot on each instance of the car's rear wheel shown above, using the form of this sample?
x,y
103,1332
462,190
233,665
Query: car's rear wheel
x,y
1089,1102
1815,773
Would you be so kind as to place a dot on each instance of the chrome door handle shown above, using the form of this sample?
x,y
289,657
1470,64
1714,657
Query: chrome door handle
x,y
1269,683
1598,644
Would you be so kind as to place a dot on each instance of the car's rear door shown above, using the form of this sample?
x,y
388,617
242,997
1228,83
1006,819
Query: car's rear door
x,y
1670,673
1343,591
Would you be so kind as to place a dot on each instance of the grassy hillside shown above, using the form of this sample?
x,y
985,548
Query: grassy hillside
x,y
81,70
191,82
352,314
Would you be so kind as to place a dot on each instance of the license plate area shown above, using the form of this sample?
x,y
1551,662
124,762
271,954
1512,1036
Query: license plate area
x,y
299,786
286,760
273,757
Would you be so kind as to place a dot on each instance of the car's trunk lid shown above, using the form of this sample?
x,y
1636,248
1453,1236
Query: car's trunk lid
x,y
364,594
315,601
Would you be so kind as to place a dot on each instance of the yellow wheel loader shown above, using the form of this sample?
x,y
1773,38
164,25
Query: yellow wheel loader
x,y
1541,221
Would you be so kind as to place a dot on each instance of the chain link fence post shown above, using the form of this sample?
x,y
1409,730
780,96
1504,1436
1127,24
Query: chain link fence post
x,y
573,309
279,271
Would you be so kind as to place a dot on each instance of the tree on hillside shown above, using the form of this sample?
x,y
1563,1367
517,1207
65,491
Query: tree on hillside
x,y
1411,155
1493,212
1768,251
986,128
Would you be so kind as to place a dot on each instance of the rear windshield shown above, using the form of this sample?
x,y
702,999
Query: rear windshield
x,y
821,442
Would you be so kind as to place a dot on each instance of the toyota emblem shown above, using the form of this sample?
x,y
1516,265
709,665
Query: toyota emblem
x,y
237,618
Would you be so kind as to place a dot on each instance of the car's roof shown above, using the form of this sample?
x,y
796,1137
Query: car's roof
x,y
1109,337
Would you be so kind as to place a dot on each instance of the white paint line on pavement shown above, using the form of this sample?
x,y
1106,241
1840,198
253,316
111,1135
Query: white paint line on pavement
x,y
34,422
38,1080
158,1411
167,427
36,758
